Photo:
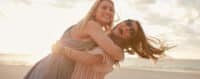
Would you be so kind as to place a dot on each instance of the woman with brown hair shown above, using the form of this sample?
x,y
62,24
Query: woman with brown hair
x,y
96,63
82,36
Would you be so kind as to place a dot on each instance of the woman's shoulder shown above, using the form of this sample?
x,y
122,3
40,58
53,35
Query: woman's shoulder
x,y
93,24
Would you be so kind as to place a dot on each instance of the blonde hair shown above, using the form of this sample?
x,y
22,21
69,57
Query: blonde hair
x,y
90,16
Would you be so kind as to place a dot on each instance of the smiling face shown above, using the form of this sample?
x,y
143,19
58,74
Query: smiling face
x,y
129,34
124,33
104,12
126,29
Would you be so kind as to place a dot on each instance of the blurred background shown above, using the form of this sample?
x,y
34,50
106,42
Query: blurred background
x,y
28,28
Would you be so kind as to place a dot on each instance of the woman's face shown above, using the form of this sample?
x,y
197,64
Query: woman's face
x,y
125,29
104,12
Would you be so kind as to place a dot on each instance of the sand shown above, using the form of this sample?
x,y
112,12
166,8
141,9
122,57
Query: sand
x,y
125,73
17,72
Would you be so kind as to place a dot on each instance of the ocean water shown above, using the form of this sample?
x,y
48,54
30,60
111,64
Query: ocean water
x,y
169,65
20,59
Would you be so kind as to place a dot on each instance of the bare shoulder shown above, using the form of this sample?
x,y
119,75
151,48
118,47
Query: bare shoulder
x,y
93,25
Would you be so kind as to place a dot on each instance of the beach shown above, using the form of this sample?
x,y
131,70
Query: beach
x,y
18,71
16,66
29,28
148,74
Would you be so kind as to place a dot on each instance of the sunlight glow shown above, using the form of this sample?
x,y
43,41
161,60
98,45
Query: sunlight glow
x,y
34,27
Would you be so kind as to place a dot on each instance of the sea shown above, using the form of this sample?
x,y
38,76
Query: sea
x,y
165,64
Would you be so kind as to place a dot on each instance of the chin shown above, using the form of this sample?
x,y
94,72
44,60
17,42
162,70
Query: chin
x,y
106,21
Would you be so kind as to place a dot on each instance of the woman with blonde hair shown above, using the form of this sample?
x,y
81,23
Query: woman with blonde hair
x,y
88,33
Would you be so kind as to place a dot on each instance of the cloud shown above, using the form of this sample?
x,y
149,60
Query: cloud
x,y
176,20
189,3
141,2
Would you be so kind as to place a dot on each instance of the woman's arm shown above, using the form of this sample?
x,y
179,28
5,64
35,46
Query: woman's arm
x,y
103,41
84,57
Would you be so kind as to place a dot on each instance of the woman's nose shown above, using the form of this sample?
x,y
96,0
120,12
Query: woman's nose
x,y
108,11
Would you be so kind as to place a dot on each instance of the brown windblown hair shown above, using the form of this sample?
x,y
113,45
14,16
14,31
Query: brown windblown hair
x,y
141,45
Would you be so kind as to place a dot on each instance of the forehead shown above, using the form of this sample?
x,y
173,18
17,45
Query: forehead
x,y
130,24
106,3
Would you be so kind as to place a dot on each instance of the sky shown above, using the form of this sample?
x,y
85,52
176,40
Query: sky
x,y
32,26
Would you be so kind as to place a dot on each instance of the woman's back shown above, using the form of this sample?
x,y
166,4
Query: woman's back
x,y
74,38
56,65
